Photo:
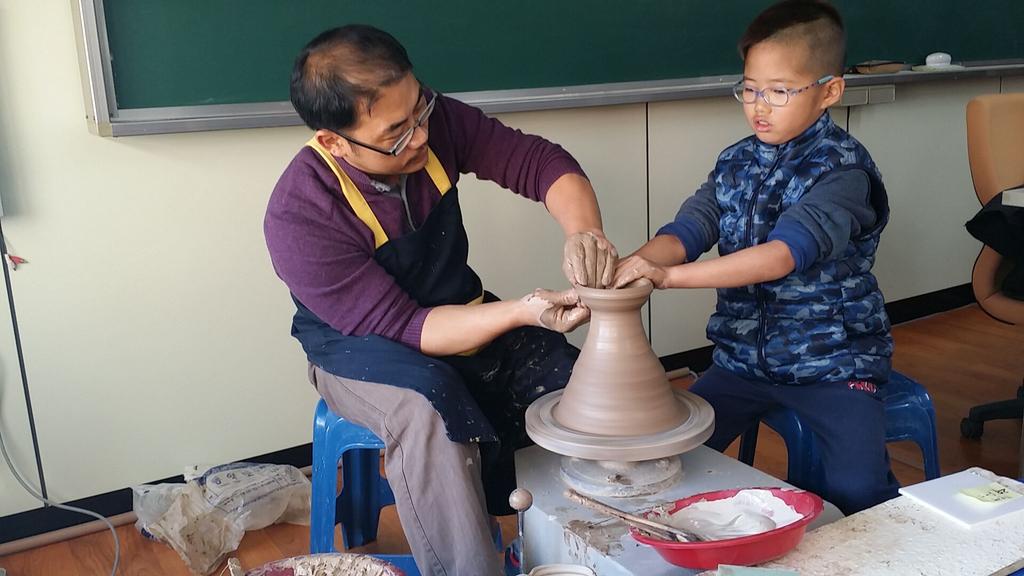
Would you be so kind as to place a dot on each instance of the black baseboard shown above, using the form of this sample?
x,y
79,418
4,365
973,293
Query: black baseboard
x,y
47,519
931,303
697,360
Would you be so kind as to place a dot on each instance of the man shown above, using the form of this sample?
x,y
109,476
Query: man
x,y
364,227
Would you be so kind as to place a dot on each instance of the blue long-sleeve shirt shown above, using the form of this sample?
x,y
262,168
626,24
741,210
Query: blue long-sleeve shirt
x,y
817,228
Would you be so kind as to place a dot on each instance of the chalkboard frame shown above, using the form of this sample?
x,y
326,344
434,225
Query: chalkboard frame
x,y
106,119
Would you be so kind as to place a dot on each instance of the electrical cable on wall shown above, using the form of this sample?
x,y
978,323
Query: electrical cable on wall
x,y
24,382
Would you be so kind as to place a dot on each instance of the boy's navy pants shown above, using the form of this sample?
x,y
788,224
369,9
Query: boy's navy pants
x,y
847,419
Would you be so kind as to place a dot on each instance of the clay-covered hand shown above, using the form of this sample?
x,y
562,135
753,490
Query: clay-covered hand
x,y
635,267
589,259
558,311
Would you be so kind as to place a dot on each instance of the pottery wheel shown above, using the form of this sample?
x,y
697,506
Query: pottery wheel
x,y
550,434
620,479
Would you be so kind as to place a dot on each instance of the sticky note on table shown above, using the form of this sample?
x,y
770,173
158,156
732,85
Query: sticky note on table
x,y
1014,197
992,492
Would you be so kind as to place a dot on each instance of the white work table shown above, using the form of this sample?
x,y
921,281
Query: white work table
x,y
899,537
902,538
559,531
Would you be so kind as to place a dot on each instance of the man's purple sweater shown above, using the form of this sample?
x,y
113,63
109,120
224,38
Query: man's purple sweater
x,y
324,253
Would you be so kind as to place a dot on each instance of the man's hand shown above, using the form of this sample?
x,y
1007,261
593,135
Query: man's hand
x,y
558,311
589,259
636,267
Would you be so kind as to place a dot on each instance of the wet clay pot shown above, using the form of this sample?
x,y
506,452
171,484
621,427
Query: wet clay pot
x,y
618,386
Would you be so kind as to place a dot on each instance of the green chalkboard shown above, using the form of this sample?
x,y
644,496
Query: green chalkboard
x,y
195,52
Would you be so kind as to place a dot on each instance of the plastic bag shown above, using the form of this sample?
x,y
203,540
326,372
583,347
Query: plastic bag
x,y
204,519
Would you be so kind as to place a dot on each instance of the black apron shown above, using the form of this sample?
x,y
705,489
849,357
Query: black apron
x,y
481,396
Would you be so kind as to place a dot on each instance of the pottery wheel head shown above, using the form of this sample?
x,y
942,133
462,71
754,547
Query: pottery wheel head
x,y
548,433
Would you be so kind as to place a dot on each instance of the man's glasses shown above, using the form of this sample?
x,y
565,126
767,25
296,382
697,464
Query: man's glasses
x,y
774,97
403,140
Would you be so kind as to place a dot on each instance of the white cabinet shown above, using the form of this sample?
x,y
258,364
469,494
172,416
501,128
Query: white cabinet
x,y
684,141
919,144
1013,84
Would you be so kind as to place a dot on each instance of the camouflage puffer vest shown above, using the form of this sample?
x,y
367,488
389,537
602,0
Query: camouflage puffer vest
x,y
826,323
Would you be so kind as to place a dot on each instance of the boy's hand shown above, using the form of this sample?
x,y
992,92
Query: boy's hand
x,y
558,311
589,259
636,267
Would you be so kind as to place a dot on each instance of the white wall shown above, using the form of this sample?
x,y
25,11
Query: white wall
x,y
14,426
685,140
920,145
1013,84
516,246
155,332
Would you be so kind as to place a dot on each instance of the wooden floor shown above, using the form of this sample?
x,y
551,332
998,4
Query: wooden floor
x,y
963,357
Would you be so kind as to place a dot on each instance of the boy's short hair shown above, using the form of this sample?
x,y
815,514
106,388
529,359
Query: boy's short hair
x,y
344,68
815,23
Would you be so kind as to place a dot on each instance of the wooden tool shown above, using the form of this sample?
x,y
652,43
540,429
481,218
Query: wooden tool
x,y
657,529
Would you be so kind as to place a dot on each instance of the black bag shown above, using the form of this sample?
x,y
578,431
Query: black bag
x,y
1002,229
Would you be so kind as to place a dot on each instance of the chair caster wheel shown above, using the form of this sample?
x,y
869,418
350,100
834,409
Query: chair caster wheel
x,y
971,429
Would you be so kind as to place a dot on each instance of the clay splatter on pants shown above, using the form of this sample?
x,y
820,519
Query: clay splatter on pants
x,y
505,378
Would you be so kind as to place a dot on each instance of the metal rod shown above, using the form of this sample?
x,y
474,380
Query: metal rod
x,y
521,500
21,365
633,520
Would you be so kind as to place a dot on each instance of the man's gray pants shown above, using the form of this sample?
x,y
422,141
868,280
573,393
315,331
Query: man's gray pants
x,y
438,491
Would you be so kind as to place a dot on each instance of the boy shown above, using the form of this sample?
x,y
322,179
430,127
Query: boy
x,y
797,210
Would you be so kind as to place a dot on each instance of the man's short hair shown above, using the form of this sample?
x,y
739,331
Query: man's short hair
x,y
342,69
814,23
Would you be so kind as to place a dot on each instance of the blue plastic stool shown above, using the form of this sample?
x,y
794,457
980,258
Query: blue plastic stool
x,y
909,415
363,493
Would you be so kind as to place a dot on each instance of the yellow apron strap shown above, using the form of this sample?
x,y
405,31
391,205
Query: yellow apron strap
x,y
352,194
437,173
362,209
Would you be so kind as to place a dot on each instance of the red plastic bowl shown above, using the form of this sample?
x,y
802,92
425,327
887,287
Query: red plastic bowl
x,y
742,551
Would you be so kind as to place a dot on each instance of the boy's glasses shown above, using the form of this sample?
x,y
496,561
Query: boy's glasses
x,y
399,146
774,97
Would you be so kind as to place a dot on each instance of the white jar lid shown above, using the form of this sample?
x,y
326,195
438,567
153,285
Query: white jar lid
x,y
938,59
